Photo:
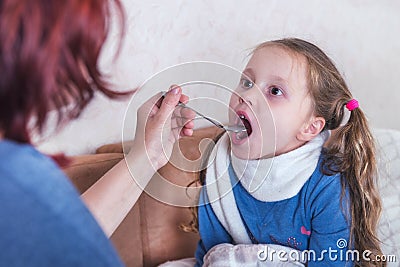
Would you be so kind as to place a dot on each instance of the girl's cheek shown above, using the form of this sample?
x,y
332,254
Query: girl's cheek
x,y
233,101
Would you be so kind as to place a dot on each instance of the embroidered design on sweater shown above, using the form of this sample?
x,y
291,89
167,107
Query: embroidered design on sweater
x,y
304,231
290,242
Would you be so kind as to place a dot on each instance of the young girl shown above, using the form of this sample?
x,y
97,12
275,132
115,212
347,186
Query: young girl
x,y
277,184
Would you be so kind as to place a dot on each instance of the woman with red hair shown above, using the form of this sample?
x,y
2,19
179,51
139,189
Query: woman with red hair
x,y
49,54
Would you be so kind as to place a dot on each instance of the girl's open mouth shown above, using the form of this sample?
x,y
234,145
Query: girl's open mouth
x,y
243,120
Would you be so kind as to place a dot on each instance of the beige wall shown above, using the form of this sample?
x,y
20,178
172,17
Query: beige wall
x,y
361,36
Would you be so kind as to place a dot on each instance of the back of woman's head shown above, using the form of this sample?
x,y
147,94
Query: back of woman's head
x,y
351,148
49,54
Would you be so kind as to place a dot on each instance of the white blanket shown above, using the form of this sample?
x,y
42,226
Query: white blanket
x,y
245,255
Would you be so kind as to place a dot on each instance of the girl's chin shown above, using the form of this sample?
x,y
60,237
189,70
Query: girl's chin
x,y
238,139
240,154
247,154
241,148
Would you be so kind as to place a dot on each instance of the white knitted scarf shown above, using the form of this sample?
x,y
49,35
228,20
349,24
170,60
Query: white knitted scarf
x,y
267,180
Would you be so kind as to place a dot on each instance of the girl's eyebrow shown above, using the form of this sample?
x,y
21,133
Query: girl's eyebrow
x,y
279,79
248,72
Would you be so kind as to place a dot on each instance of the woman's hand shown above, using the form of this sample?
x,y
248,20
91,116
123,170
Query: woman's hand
x,y
160,123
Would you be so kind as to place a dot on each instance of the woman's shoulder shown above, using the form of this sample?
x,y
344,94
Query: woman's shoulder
x,y
33,183
18,158
38,199
13,154
32,173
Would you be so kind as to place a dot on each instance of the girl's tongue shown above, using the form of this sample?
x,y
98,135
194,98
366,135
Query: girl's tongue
x,y
246,123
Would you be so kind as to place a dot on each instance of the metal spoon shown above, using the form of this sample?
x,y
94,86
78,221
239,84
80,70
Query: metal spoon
x,y
229,128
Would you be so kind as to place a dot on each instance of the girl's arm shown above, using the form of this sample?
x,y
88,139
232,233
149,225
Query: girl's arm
x,y
210,229
330,228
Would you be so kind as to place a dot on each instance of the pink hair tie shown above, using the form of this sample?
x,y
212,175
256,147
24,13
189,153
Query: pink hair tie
x,y
352,104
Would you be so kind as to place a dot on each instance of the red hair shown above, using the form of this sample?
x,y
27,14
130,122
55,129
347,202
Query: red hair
x,y
49,54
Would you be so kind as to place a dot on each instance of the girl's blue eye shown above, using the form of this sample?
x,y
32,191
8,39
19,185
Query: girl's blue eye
x,y
245,83
276,91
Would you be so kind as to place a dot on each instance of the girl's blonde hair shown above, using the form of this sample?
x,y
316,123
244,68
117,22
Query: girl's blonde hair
x,y
350,151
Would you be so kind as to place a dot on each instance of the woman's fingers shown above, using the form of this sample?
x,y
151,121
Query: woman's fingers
x,y
183,118
169,103
184,99
187,132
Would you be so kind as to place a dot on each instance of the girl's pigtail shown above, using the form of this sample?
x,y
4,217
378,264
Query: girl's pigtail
x,y
351,151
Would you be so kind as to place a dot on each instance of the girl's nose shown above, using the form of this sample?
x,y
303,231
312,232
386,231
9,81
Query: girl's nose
x,y
246,100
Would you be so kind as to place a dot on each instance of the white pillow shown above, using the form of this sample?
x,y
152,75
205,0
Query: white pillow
x,y
388,156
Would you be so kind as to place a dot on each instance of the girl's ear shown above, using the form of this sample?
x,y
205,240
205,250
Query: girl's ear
x,y
311,129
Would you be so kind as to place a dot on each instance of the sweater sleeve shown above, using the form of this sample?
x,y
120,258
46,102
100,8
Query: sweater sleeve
x,y
329,223
211,230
